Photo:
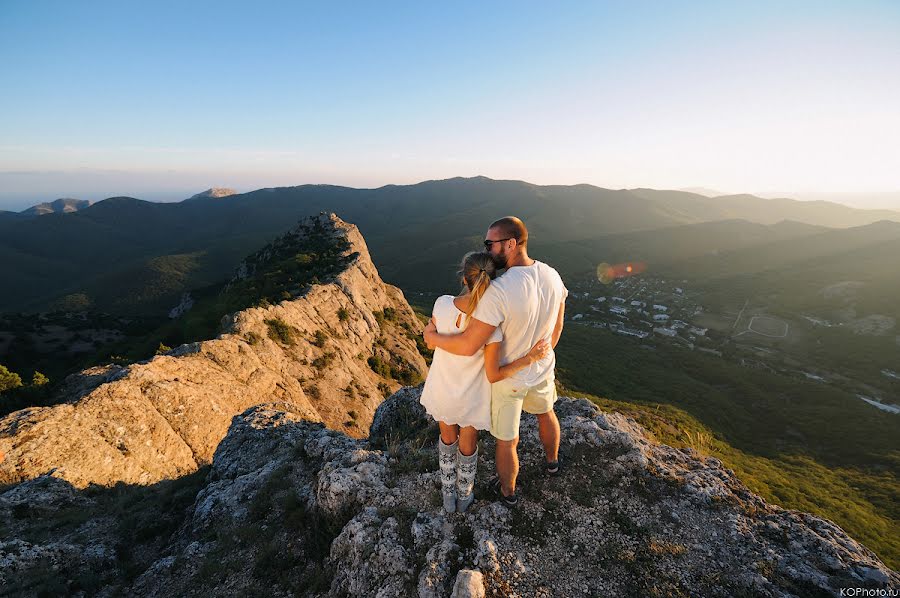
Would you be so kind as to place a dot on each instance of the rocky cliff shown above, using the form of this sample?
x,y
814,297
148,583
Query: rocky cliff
x,y
329,352
290,507
247,465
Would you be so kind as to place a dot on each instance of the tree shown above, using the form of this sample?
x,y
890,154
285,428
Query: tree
x,y
9,380
39,379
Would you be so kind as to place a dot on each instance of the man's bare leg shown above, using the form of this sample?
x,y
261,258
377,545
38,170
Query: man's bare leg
x,y
548,429
507,461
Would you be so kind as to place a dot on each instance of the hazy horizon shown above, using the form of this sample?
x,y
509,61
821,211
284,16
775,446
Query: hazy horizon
x,y
173,193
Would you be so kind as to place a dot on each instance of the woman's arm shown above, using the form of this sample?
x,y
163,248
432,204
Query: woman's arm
x,y
496,372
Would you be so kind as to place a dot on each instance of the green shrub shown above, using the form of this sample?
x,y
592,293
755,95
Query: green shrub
x,y
388,314
379,366
319,338
280,331
323,361
403,372
9,380
343,315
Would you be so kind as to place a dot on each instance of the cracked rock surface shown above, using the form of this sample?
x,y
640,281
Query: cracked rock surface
x,y
290,507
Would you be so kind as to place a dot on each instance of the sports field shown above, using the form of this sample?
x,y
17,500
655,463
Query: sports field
x,y
768,326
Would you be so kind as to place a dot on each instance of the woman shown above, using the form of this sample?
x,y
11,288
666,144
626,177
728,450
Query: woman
x,y
457,392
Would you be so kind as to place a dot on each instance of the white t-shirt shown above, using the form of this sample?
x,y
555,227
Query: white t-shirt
x,y
457,390
524,304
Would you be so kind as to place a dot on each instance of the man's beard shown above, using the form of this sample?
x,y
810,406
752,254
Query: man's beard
x,y
500,260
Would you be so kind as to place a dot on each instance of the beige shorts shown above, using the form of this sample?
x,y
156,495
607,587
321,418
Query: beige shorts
x,y
509,398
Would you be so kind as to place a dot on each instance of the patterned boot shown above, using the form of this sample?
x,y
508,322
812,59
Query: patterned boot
x,y
465,480
447,461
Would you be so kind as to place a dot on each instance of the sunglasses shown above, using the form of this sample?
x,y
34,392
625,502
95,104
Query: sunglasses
x,y
487,244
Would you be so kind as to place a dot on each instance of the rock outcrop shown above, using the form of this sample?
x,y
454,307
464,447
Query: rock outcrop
x,y
163,418
213,192
63,205
290,507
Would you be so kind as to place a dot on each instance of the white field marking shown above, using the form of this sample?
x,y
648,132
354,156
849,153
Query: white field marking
x,y
784,334
738,319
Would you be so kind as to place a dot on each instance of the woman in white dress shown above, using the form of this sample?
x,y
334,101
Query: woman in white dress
x,y
457,393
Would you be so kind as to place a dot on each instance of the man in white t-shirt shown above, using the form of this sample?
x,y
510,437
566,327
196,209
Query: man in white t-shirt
x,y
527,302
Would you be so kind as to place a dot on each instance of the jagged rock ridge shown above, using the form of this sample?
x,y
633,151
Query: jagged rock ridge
x,y
290,507
164,418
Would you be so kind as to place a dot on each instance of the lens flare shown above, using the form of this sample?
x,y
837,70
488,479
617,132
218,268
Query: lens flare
x,y
606,273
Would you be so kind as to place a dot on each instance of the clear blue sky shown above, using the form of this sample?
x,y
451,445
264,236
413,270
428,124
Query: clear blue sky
x,y
156,99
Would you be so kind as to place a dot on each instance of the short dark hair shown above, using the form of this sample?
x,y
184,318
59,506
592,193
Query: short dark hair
x,y
513,228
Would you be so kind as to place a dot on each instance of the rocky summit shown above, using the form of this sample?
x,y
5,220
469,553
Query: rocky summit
x,y
290,507
329,352
213,192
267,462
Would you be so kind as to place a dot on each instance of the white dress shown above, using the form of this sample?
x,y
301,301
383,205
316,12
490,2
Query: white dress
x,y
457,390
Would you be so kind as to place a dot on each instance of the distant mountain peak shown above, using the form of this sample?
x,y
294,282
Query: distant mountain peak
x,y
58,206
213,192
703,191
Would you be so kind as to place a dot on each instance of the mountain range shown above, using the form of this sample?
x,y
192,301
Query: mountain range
x,y
63,205
417,234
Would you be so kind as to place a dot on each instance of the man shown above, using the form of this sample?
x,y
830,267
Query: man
x,y
528,303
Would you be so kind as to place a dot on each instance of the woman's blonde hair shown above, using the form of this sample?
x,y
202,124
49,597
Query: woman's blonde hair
x,y
476,272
